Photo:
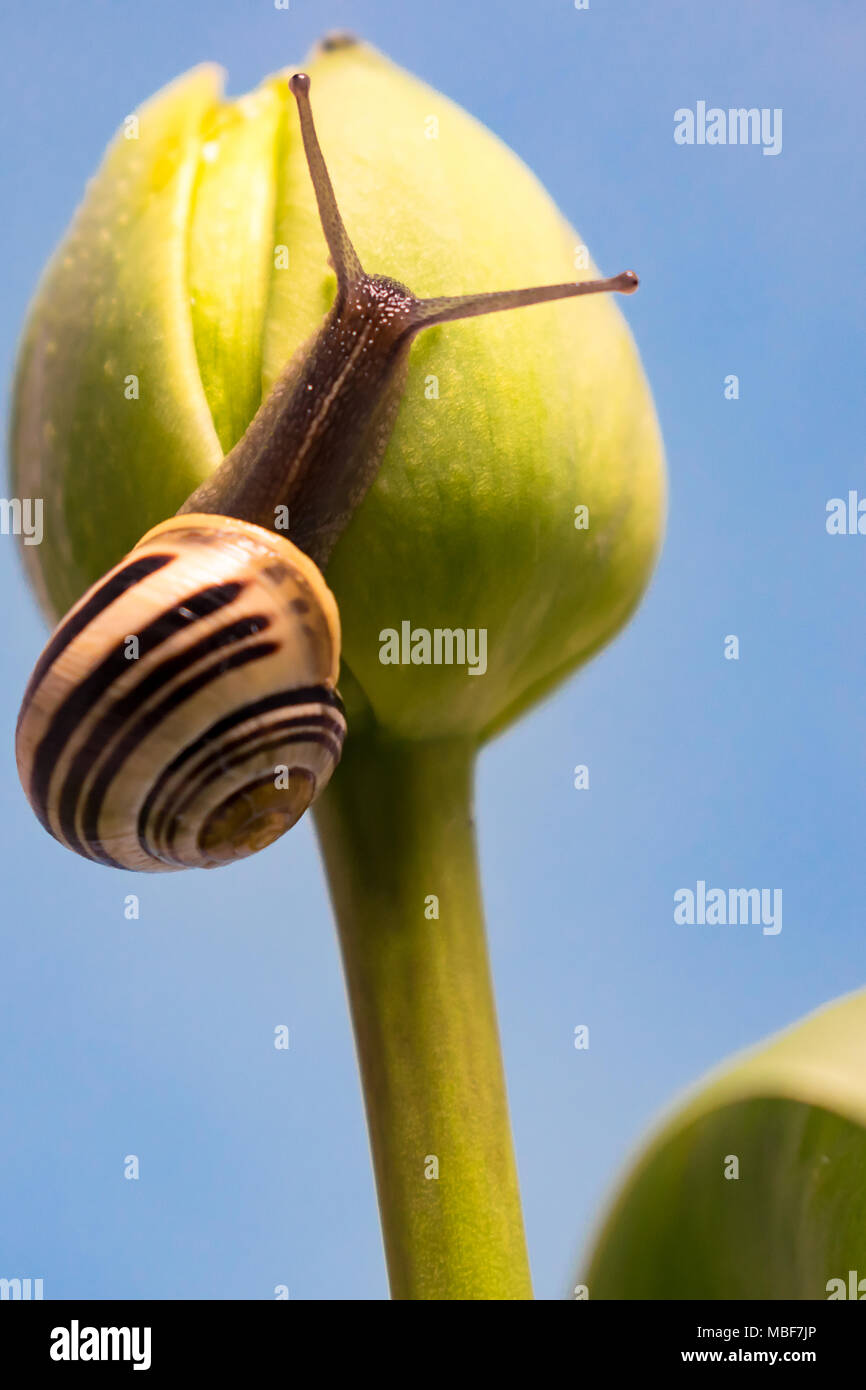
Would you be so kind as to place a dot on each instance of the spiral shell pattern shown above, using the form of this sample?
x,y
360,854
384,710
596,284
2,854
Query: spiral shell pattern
x,y
185,712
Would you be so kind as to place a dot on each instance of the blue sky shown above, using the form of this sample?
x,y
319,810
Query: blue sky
x,y
155,1037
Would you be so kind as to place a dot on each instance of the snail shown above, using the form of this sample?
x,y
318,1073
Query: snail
x,y
185,712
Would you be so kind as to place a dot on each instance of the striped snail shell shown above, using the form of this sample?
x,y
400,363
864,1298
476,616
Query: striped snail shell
x,y
170,751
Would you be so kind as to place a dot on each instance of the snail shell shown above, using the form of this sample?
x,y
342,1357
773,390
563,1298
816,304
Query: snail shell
x,y
171,752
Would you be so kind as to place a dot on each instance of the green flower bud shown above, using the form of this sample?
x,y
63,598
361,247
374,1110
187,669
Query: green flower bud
x,y
197,265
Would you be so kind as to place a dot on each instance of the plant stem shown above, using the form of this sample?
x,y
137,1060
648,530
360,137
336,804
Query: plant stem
x,y
396,828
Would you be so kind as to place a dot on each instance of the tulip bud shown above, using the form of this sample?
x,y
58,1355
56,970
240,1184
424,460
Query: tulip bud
x,y
522,493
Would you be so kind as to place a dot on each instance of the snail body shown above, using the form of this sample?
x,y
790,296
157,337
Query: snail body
x,y
185,712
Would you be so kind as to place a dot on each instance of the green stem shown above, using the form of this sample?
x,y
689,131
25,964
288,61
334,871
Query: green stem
x,y
396,830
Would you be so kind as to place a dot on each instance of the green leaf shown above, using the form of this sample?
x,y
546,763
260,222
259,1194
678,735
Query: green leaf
x,y
793,1115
